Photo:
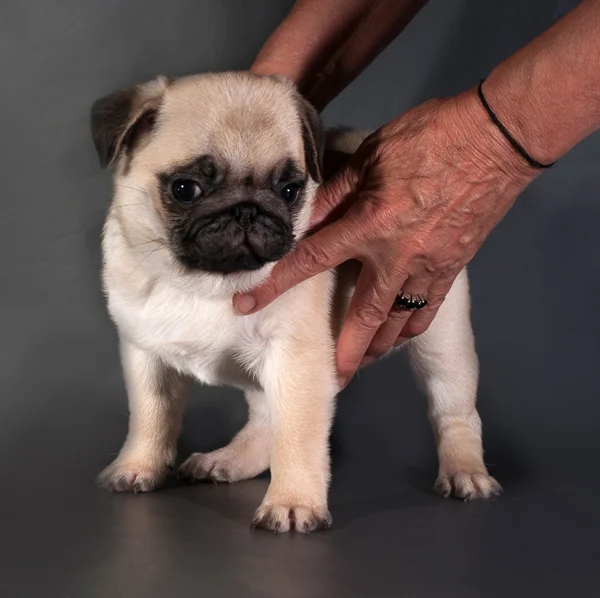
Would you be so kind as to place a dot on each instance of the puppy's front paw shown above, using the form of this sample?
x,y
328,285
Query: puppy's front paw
x,y
467,485
210,466
279,518
131,476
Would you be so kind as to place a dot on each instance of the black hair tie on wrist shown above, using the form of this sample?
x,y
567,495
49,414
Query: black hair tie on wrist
x,y
518,147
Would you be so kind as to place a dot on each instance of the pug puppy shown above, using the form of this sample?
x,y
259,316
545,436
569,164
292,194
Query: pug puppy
x,y
214,180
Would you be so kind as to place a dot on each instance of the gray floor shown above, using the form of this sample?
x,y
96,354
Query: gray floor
x,y
63,413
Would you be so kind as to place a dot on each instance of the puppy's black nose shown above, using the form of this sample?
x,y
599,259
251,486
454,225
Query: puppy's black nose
x,y
245,215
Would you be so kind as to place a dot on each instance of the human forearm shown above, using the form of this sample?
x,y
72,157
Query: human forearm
x,y
323,45
548,93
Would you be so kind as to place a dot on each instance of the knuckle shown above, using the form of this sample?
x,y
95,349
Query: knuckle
x,y
435,264
420,249
431,268
371,315
330,194
310,257
380,215
434,304
275,288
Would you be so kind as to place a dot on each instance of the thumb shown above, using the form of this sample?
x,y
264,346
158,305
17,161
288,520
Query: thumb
x,y
320,252
332,196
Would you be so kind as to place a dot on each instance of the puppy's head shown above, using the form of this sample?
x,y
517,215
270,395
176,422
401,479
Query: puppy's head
x,y
221,168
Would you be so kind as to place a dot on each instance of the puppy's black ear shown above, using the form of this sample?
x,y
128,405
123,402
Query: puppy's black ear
x,y
121,119
313,137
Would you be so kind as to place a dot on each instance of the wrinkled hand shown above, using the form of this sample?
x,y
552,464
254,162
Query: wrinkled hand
x,y
416,200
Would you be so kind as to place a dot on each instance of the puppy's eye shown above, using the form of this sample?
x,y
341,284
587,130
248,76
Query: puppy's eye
x,y
290,192
185,190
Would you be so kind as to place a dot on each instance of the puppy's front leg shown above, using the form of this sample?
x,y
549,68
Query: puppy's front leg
x,y
300,385
156,400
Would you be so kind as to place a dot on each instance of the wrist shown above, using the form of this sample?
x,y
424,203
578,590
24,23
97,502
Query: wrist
x,y
547,94
314,88
287,69
489,146
523,113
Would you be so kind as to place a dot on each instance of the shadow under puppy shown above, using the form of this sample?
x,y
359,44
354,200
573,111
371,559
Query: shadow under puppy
x,y
214,179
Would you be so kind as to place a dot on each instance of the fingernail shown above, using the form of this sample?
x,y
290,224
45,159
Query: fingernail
x,y
342,382
244,304
366,360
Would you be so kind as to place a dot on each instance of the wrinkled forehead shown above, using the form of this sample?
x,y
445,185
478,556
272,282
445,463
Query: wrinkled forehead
x,y
247,126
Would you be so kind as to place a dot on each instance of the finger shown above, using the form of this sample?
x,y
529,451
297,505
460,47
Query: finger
x,y
387,335
322,251
368,310
420,320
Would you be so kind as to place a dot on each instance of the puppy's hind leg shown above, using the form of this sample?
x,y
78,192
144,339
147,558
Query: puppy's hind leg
x,y
246,456
156,400
445,363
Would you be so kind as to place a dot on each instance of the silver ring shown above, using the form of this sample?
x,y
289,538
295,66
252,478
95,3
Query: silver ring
x,y
410,302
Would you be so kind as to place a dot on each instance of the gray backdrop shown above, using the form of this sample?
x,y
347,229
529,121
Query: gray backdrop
x,y
63,412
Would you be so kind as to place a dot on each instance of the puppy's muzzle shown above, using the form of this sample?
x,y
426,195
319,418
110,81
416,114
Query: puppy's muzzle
x,y
245,236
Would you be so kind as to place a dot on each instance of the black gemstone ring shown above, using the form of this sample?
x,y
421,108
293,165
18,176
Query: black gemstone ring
x,y
405,301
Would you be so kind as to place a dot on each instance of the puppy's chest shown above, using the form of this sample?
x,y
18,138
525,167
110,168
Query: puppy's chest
x,y
203,338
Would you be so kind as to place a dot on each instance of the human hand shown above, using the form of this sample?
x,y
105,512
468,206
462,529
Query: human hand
x,y
418,198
